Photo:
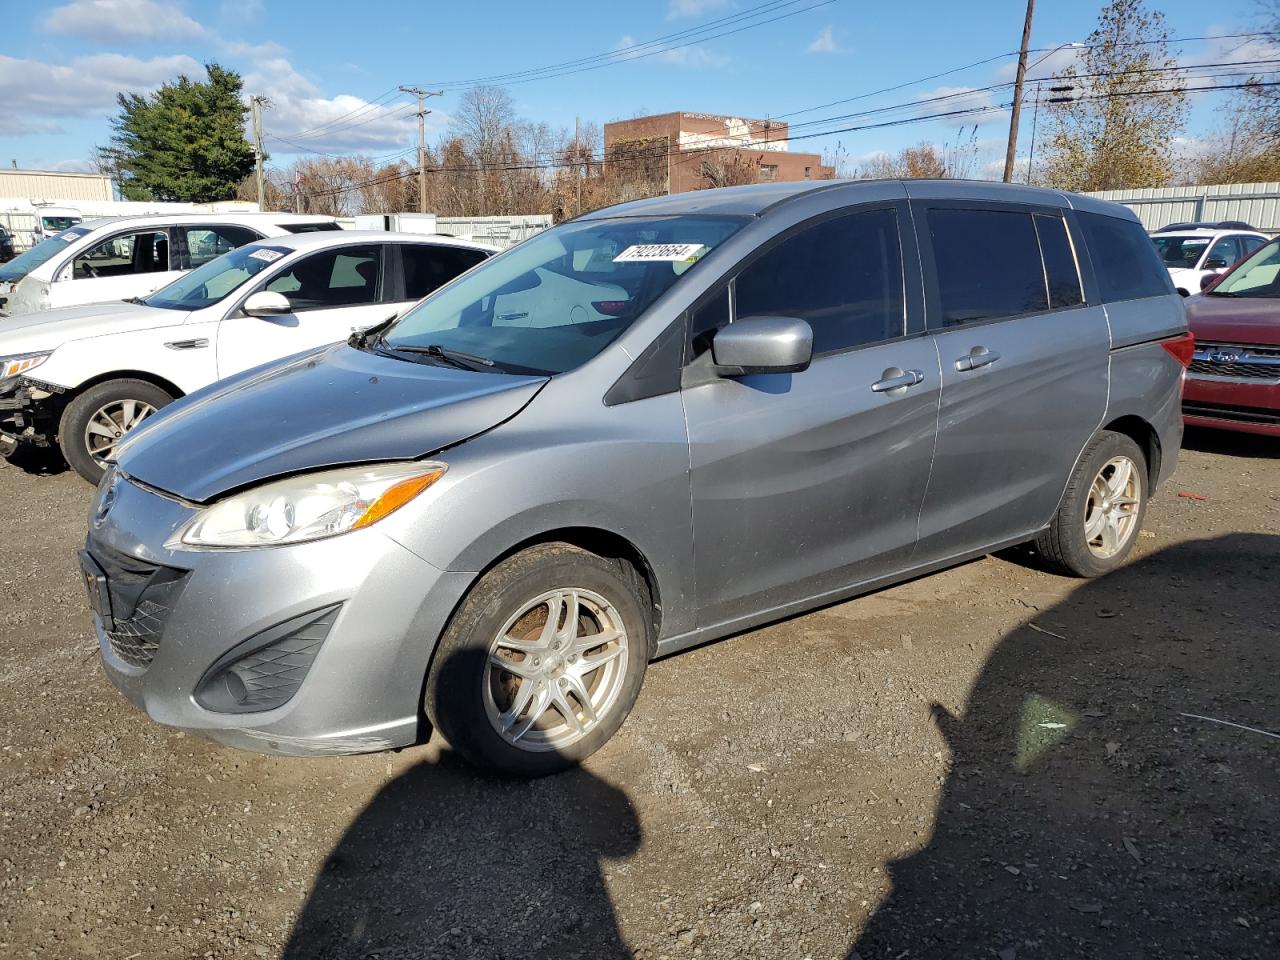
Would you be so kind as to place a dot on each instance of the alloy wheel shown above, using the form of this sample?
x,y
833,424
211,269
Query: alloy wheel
x,y
1111,515
110,423
555,669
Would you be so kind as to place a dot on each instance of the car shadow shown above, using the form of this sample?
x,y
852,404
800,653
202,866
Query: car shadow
x,y
1229,443
448,862
1084,813
38,461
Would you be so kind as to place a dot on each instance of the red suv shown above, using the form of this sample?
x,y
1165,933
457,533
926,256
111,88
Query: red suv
x,y
1234,379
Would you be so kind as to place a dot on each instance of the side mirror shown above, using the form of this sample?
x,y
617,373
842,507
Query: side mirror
x,y
763,345
1209,279
266,303
1215,263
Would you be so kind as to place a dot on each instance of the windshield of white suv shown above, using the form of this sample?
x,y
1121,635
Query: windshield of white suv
x,y
558,299
1257,276
42,252
1180,252
208,284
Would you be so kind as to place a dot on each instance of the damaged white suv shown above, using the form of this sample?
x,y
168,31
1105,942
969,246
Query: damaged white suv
x,y
83,377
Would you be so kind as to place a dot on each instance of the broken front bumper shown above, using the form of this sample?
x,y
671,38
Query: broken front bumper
x,y
29,411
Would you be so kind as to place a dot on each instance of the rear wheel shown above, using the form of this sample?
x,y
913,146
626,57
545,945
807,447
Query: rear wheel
x,y
542,662
94,423
1102,510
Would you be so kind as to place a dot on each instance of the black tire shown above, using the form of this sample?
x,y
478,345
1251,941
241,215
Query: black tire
x,y
455,698
1064,546
78,413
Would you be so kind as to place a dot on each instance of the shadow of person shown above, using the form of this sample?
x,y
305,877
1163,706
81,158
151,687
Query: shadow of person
x,y
1085,815
448,862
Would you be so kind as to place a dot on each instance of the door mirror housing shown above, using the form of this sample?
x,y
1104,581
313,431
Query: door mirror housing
x,y
763,345
1209,279
1215,263
267,303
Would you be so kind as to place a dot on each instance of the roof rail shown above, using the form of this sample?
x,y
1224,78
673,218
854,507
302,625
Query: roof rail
x,y
1208,225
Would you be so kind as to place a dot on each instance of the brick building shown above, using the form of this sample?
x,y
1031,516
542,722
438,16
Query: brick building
x,y
693,151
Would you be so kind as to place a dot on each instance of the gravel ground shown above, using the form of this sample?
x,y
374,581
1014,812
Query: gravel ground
x,y
989,762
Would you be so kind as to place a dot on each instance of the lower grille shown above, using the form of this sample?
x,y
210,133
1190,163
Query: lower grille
x,y
1227,411
142,595
136,640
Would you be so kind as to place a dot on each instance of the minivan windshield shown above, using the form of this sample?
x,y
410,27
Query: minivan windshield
x,y
215,280
558,299
42,252
1256,276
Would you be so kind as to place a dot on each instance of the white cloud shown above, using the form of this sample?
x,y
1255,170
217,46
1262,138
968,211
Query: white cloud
x,y
123,20
825,42
32,91
241,11
692,56
299,119
693,8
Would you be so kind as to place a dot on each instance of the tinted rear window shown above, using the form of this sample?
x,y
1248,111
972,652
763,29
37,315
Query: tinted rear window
x,y
1124,259
988,265
1060,270
428,267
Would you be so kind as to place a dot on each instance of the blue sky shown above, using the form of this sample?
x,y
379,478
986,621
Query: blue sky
x,y
331,67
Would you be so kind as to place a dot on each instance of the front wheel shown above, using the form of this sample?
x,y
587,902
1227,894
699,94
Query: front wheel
x,y
543,661
94,423
1102,511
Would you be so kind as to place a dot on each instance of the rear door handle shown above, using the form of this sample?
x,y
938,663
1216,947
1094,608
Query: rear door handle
x,y
897,379
976,358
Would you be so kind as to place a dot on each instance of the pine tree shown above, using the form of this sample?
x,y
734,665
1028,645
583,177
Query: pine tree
x,y
184,142
1118,130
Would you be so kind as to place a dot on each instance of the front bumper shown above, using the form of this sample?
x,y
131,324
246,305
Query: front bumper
x,y
29,410
363,689
1227,403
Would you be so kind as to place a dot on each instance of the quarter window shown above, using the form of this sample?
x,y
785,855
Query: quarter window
x,y
843,276
1123,258
333,278
988,265
128,253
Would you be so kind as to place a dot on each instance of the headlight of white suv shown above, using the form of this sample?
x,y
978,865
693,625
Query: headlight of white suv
x,y
12,366
308,507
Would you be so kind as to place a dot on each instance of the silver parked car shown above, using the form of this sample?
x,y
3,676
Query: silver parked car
x,y
656,425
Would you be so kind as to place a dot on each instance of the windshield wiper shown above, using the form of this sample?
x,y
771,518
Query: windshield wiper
x,y
137,300
371,335
465,361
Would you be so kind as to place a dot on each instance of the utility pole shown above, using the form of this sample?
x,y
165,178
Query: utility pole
x,y
577,149
256,103
1017,94
422,140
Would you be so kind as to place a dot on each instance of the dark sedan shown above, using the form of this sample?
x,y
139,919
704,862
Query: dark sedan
x,y
1234,379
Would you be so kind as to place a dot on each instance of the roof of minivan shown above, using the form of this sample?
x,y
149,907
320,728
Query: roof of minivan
x,y
755,199
337,238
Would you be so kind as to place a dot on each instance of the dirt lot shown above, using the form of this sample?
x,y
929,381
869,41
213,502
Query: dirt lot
x,y
991,762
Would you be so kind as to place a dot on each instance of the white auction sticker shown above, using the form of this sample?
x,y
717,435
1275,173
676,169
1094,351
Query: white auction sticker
x,y
660,252
267,255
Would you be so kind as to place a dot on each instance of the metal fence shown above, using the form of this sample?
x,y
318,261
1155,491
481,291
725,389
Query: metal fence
x,y
1254,203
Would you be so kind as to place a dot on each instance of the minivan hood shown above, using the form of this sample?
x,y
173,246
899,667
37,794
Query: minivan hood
x,y
326,408
47,329
1243,320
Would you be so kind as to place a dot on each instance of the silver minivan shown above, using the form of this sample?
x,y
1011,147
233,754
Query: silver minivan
x,y
656,425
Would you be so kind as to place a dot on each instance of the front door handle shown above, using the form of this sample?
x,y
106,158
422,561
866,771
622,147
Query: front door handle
x,y
976,358
896,380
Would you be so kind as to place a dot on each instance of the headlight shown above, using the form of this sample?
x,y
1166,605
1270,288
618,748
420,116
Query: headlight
x,y
308,507
12,366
